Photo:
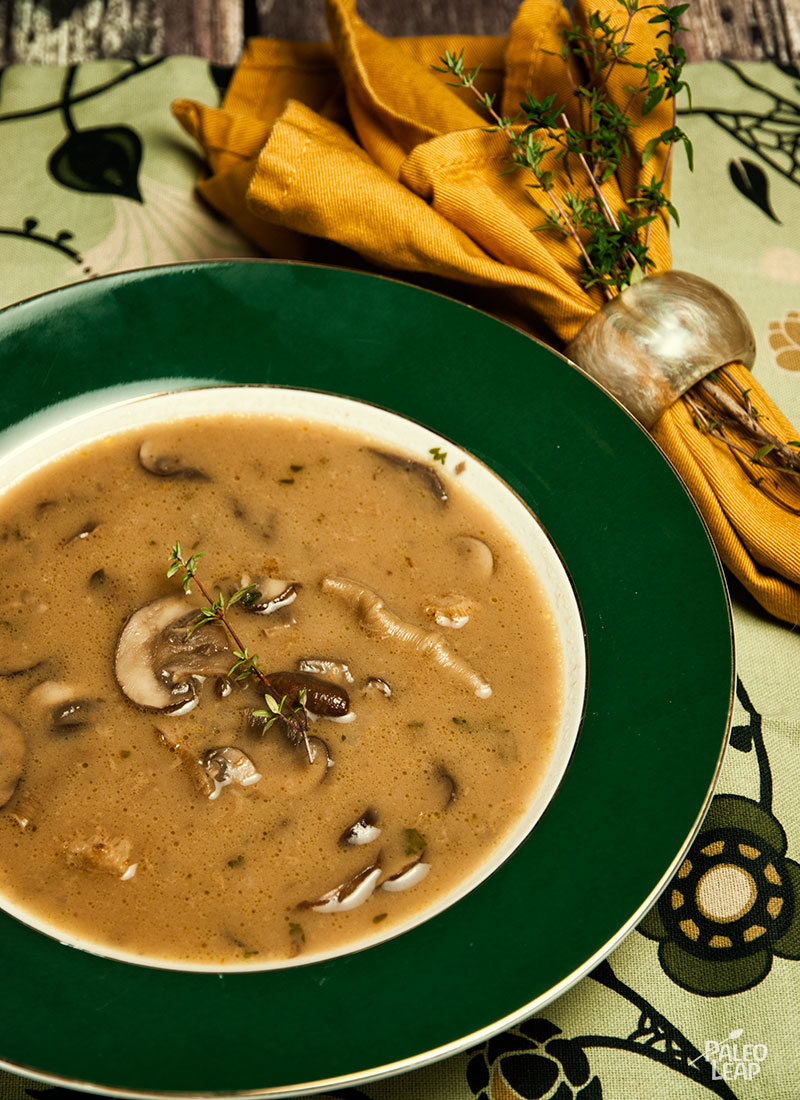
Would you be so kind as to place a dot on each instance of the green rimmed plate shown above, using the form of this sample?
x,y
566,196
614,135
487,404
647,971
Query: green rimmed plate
x,y
658,705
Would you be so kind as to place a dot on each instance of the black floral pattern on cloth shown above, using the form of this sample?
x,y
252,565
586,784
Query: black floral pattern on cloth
x,y
772,134
113,190
537,1061
533,1062
734,904
29,230
101,160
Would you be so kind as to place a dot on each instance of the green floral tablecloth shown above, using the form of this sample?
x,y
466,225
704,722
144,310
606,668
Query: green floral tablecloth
x,y
704,997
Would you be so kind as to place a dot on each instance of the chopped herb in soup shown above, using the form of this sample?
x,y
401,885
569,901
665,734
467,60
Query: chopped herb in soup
x,y
266,689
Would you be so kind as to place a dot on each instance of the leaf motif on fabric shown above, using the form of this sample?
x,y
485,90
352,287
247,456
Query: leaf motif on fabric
x,y
752,182
103,160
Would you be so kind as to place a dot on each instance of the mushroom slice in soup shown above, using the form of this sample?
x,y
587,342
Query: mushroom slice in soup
x,y
155,462
363,831
407,876
449,784
375,685
349,894
476,554
73,714
271,595
451,611
318,749
68,709
229,765
11,671
83,532
322,697
157,667
376,617
424,473
12,756
306,770
327,667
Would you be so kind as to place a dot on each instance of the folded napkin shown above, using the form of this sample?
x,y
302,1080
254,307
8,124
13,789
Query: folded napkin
x,y
363,144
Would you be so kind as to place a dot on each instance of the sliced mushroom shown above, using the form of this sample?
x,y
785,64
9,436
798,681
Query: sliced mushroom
x,y
154,461
407,877
477,556
363,831
323,698
51,693
103,856
82,533
223,687
376,617
452,611
424,473
12,756
448,783
19,670
229,765
319,749
201,652
349,894
68,709
73,714
271,595
306,769
157,667
328,667
374,684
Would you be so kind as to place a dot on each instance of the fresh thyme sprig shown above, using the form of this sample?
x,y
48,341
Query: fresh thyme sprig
x,y
722,408
246,665
613,244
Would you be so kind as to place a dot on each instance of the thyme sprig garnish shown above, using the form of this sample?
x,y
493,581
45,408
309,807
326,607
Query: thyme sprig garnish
x,y
614,245
247,665
719,404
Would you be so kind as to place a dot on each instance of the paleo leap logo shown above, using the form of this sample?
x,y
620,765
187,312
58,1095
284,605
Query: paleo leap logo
x,y
729,1059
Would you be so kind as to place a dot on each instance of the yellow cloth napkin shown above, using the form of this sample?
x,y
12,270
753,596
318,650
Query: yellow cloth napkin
x,y
361,143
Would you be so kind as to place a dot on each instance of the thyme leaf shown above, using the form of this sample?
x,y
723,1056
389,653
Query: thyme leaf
x,y
614,245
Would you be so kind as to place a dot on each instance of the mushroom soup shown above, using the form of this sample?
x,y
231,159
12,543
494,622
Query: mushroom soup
x,y
357,744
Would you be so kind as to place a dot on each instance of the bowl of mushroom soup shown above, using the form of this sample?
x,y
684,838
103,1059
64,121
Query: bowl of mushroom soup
x,y
321,675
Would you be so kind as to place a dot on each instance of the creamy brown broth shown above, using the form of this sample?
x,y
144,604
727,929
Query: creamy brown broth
x,y
108,833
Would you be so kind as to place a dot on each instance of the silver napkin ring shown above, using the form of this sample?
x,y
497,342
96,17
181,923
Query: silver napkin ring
x,y
651,343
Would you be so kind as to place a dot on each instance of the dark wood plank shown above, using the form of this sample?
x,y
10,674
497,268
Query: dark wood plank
x,y
60,32
65,31
300,19
745,30
205,28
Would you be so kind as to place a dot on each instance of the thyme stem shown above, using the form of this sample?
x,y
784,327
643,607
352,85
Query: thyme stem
x,y
295,720
613,244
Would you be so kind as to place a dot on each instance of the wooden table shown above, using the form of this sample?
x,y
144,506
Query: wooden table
x,y
66,31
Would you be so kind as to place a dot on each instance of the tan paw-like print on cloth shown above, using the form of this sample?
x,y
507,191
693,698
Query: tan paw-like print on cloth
x,y
784,339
